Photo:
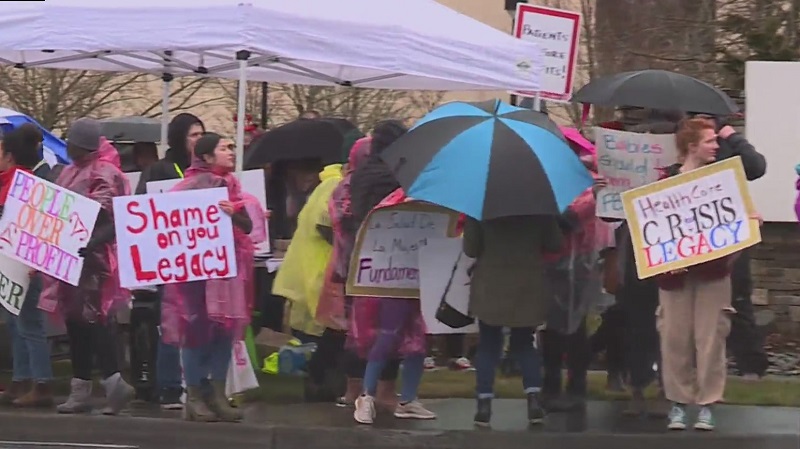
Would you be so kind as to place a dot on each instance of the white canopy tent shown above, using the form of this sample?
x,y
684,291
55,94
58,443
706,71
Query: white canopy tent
x,y
413,44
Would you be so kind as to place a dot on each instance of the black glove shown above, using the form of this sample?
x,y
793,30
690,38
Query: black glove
x,y
82,252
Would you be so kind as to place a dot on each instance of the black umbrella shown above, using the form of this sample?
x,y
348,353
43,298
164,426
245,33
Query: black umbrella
x,y
300,139
131,129
656,89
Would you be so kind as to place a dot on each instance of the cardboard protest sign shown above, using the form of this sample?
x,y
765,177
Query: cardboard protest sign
x,y
252,183
439,264
44,226
629,160
557,31
691,218
385,259
14,280
173,238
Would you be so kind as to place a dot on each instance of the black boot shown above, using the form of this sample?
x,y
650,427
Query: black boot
x,y
535,411
484,414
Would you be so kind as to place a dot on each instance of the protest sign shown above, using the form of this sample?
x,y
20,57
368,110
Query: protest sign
x,y
172,238
557,32
629,160
440,265
14,280
252,182
44,226
691,218
385,258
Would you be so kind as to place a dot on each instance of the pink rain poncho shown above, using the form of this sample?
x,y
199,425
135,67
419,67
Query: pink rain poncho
x,y
332,307
98,294
373,316
192,312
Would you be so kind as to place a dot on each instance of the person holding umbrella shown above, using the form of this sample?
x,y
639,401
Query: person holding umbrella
x,y
511,172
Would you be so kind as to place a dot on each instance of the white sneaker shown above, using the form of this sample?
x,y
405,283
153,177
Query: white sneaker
x,y
430,364
365,409
413,410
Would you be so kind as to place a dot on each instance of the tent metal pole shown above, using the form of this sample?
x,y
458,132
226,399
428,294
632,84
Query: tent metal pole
x,y
241,56
166,78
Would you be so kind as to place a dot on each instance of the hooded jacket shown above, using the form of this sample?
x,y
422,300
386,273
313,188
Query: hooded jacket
x,y
176,155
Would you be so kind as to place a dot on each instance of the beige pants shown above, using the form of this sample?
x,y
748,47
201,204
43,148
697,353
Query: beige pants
x,y
694,322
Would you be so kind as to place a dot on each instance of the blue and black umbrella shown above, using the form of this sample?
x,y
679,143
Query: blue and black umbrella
x,y
488,160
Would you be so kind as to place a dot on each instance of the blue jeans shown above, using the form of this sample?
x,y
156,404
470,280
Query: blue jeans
x,y
168,367
490,351
29,346
209,361
411,376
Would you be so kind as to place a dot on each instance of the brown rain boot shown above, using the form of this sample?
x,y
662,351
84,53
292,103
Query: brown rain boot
x,y
220,405
354,389
39,396
386,395
14,391
196,408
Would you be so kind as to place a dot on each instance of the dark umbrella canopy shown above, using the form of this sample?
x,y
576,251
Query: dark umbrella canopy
x,y
488,160
656,89
131,129
300,139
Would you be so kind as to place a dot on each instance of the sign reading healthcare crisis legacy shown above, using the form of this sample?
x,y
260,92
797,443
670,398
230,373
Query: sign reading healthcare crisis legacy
x,y
691,218
385,258
629,160
44,226
173,237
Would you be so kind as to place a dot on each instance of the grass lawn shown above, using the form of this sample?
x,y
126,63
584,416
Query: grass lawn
x,y
448,384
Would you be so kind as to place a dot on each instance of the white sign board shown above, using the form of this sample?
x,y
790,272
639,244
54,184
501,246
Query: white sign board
x,y
629,160
557,32
772,128
14,281
44,226
385,258
252,183
173,238
436,263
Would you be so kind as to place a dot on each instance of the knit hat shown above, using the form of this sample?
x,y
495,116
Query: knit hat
x,y
85,133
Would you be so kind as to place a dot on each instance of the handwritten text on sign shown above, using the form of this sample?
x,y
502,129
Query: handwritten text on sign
x,y
44,226
173,237
385,259
558,33
252,183
692,218
14,281
629,160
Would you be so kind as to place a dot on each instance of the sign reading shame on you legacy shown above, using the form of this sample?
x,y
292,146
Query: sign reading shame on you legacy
x,y
691,218
385,259
44,226
173,238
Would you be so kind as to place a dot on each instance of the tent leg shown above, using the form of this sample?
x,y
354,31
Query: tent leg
x,y
241,56
165,94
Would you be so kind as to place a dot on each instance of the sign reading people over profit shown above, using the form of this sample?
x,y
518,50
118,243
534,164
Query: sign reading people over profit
x,y
14,280
385,258
173,237
629,160
691,218
44,225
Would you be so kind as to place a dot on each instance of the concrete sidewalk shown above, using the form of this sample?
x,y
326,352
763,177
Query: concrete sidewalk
x,y
324,426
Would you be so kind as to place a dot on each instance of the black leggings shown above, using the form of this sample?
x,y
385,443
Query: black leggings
x,y
331,354
90,340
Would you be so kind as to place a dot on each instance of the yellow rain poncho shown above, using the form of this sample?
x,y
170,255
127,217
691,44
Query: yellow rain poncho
x,y
302,272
